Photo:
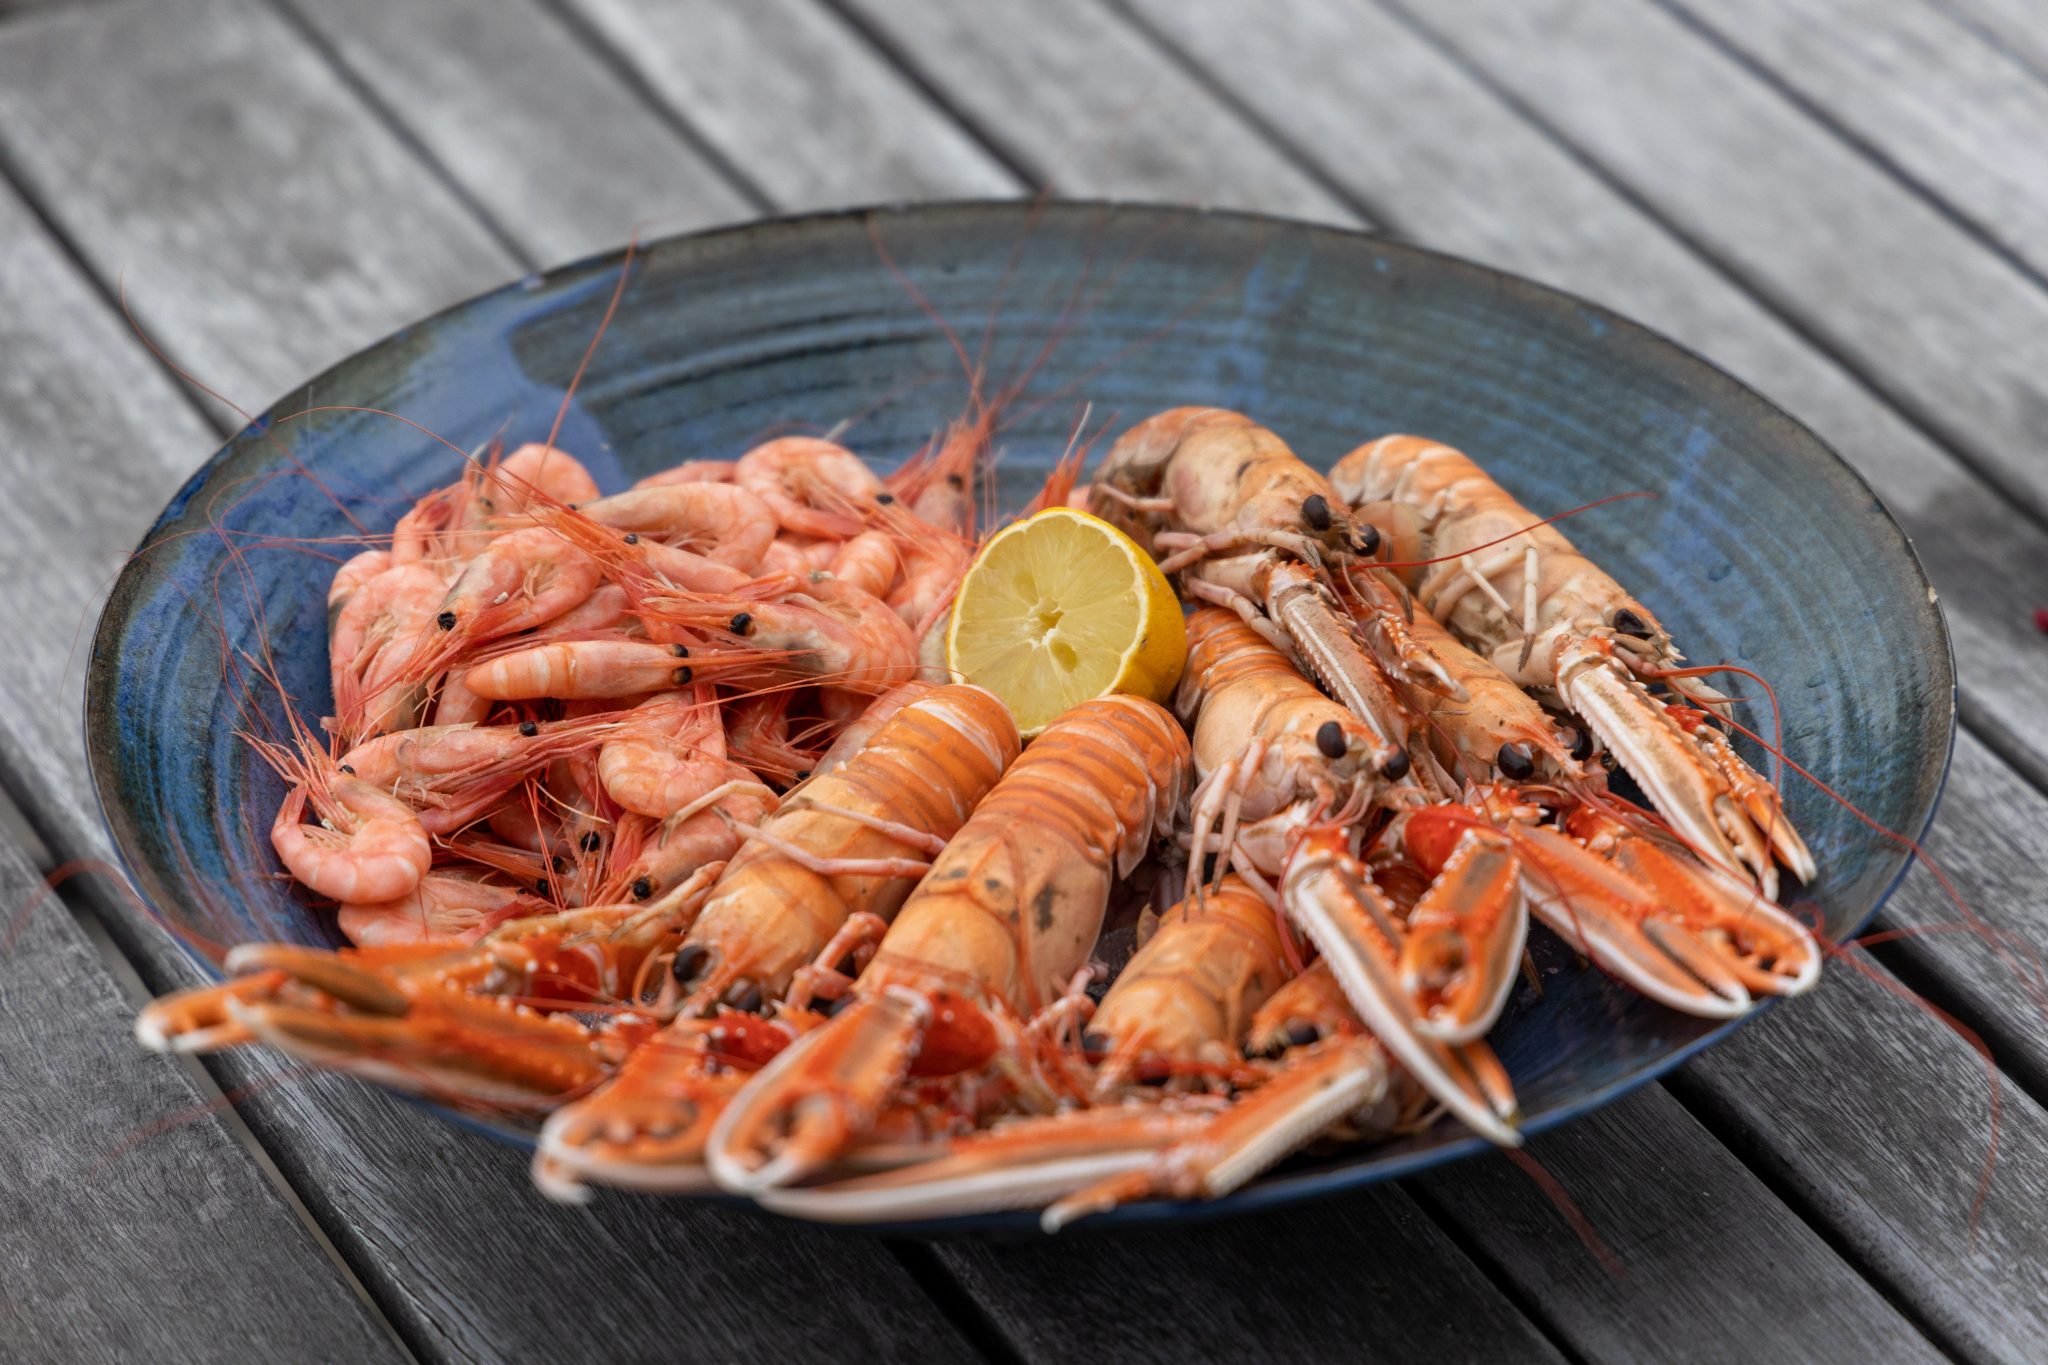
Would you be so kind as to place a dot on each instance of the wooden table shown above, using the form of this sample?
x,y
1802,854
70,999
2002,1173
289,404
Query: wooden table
x,y
1843,201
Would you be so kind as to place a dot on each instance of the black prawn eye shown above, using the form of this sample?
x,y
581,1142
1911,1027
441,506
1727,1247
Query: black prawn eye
x,y
1330,739
691,962
1516,762
1367,541
1626,622
1315,512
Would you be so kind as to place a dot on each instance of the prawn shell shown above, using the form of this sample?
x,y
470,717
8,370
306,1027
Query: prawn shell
x,y
1197,981
1014,904
926,766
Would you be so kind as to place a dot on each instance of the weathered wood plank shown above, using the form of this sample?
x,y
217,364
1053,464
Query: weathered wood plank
x,y
2018,26
441,1223
1707,1264
1474,178
264,222
1860,260
350,1203
132,1223
91,440
1875,1121
1078,96
449,1235
1366,1277
788,93
1990,972
1922,90
1154,1267
533,127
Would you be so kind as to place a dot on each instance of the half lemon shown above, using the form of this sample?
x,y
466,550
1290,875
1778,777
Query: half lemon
x,y
1061,608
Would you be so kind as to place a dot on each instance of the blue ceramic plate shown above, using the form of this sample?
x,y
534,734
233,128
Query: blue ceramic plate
x,y
1762,546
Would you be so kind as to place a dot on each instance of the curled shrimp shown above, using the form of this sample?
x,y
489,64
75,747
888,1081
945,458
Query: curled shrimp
x,y
640,564
758,735
692,471
379,631
650,858
520,580
369,845
813,485
869,562
582,669
530,472
451,774
351,576
823,631
671,750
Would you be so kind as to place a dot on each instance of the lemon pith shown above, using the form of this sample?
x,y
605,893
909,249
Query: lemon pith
x,y
1060,608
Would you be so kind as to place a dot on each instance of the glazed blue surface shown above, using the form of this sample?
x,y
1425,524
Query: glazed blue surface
x,y
1761,547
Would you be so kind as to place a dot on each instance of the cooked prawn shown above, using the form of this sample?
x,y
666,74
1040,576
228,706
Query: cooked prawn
x,y
369,845
815,486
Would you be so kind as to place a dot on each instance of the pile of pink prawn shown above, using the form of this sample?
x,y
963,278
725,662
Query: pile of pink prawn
x,y
545,698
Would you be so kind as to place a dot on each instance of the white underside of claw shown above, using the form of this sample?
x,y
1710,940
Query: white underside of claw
x,y
1449,1030
559,1163
1744,901
1382,1005
149,1031
1610,942
1351,1090
1671,769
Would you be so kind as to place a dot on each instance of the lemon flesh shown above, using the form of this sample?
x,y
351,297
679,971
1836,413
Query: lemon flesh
x,y
1061,608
